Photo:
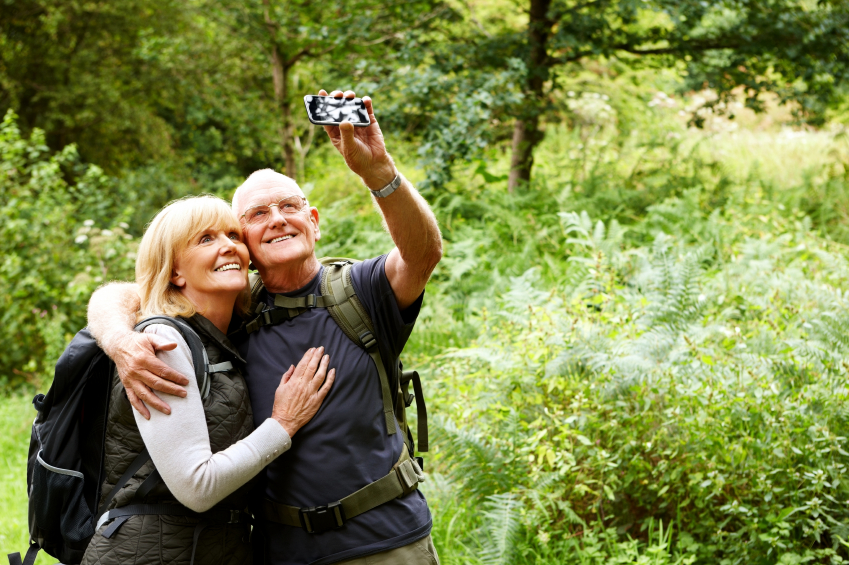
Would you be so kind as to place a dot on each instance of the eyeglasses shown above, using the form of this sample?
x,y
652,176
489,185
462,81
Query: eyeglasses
x,y
260,213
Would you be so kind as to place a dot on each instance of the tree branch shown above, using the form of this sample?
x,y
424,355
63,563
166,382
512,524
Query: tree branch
x,y
307,51
629,48
423,20
678,49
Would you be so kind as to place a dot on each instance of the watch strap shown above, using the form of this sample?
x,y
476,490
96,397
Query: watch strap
x,y
389,188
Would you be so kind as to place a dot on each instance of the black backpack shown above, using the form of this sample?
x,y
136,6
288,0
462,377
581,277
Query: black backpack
x,y
66,451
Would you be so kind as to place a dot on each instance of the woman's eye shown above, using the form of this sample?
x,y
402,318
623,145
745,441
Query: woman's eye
x,y
205,239
234,236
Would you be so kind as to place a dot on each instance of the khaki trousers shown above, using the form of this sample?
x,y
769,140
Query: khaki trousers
x,y
419,552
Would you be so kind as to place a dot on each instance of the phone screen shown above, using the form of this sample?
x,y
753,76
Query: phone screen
x,y
327,110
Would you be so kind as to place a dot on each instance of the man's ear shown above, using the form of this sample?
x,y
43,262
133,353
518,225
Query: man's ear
x,y
314,220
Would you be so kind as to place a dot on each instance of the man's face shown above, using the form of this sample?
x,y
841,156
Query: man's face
x,y
282,239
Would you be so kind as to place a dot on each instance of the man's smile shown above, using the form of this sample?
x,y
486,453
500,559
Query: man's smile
x,y
281,238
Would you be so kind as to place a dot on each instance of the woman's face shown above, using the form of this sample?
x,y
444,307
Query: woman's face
x,y
215,262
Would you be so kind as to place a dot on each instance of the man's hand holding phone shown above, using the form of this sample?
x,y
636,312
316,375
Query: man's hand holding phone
x,y
363,148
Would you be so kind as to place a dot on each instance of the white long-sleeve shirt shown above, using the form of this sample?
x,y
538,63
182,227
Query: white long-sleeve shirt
x,y
179,443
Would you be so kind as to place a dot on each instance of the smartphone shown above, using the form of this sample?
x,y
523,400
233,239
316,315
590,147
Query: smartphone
x,y
331,111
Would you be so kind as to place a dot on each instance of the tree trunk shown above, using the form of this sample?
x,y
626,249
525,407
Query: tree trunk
x,y
526,132
280,74
526,136
303,149
286,138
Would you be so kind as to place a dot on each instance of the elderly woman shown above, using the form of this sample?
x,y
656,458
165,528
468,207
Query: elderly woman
x,y
189,503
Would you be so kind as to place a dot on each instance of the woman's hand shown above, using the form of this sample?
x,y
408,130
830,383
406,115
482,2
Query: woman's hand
x,y
301,391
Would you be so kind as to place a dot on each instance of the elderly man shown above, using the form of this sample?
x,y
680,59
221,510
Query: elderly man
x,y
348,444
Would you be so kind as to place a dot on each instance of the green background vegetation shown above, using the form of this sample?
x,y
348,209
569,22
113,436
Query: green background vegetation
x,y
635,348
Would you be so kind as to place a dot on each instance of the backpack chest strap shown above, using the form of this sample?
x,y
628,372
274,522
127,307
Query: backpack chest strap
x,y
287,308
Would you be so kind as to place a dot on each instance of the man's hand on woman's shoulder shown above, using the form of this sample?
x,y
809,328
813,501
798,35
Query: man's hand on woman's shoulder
x,y
141,372
111,318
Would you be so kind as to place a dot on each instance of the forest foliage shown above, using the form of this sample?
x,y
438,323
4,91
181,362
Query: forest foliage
x,y
635,354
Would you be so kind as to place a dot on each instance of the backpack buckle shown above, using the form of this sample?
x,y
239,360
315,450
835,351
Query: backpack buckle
x,y
367,339
319,519
407,477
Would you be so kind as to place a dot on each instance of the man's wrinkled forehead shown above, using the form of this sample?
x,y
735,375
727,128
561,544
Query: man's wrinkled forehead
x,y
264,187
259,197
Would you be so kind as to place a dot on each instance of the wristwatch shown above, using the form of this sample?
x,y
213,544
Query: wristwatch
x,y
389,188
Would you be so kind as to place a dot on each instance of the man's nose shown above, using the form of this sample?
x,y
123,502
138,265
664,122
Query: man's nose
x,y
276,217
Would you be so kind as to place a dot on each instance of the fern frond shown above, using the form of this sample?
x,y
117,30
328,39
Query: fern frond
x,y
476,465
502,526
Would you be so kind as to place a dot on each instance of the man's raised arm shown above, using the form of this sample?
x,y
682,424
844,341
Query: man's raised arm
x,y
411,223
111,318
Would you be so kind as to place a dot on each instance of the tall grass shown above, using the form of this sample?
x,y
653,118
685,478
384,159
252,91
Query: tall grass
x,y
16,416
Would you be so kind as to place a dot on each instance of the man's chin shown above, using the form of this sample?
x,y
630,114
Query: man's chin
x,y
282,257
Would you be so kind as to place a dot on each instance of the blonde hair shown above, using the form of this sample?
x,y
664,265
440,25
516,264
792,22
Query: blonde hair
x,y
166,237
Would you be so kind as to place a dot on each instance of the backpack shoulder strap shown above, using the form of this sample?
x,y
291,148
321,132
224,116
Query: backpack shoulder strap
x,y
256,285
348,312
199,357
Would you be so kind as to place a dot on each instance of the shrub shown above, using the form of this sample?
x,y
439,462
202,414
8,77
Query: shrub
x,y
699,380
59,238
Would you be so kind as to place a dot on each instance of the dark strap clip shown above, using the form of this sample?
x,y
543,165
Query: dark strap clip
x,y
266,317
367,339
407,477
319,519
311,301
235,517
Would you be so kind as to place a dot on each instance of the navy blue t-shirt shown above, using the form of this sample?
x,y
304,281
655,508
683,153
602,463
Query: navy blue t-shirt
x,y
345,446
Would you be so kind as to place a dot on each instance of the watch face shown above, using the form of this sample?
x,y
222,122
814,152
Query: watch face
x,y
328,110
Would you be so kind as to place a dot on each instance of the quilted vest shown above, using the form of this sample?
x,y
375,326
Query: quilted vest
x,y
228,419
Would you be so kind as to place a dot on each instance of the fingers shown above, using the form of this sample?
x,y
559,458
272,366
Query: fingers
x,y
159,377
159,343
321,373
328,382
152,400
370,109
309,362
339,94
346,133
138,405
287,375
313,364
139,394
145,360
